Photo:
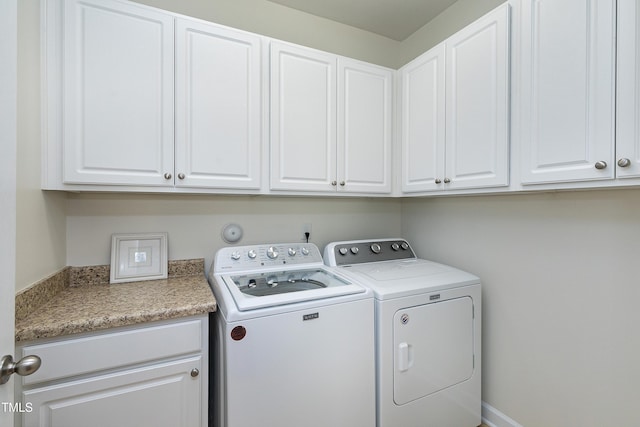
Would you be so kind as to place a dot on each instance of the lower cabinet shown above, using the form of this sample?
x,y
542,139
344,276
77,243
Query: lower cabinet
x,y
152,375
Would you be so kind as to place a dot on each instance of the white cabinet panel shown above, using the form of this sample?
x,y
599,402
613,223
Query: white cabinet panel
x,y
218,107
455,110
423,121
567,90
152,374
364,127
477,103
628,100
303,119
118,83
161,395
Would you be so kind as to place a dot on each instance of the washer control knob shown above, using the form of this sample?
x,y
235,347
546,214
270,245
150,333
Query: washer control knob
x,y
304,251
343,251
235,255
272,252
252,254
291,252
375,248
354,250
404,246
395,246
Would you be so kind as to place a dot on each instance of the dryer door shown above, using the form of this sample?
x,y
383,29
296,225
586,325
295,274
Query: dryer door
x,y
433,348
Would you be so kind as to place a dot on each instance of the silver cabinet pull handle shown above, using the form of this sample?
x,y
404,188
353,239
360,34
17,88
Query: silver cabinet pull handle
x,y
624,162
25,366
601,165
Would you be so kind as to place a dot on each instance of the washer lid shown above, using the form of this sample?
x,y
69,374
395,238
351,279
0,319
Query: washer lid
x,y
394,279
273,288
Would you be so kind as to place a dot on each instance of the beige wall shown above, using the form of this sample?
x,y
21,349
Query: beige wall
x,y
195,223
561,291
40,227
280,22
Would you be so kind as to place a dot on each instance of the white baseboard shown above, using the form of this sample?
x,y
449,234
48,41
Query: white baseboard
x,y
494,418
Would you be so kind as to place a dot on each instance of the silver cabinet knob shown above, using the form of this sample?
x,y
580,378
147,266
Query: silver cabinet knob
x,y
334,183
447,180
342,183
25,366
601,165
195,372
624,162
438,181
180,176
167,175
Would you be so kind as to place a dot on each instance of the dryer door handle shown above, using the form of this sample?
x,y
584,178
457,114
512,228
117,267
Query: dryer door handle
x,y
405,356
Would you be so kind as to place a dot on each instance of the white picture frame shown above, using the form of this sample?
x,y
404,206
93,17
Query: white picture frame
x,y
138,256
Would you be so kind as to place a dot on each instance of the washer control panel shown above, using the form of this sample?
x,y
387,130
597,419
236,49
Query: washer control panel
x,y
242,258
361,251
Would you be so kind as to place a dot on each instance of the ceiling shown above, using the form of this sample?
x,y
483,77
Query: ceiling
x,y
395,19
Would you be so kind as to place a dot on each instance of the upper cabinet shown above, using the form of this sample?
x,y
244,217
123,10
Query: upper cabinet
x,y
118,94
140,99
330,122
151,101
303,119
423,121
567,90
365,120
628,99
455,110
218,107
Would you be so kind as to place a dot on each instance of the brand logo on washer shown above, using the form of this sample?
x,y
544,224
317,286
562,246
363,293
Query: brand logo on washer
x,y
310,316
404,319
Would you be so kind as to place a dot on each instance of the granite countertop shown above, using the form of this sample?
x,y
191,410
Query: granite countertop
x,y
78,301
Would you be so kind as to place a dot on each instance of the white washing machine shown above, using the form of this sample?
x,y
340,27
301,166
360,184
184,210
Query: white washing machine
x,y
293,340
428,329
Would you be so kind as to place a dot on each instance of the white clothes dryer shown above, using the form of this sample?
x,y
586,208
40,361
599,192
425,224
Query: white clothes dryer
x,y
428,333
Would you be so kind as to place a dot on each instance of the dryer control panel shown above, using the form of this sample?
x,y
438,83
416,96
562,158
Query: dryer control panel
x,y
361,251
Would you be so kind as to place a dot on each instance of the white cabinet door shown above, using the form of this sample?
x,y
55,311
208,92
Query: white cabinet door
x,y
455,110
159,395
628,107
218,107
364,127
567,90
303,119
423,121
118,94
477,103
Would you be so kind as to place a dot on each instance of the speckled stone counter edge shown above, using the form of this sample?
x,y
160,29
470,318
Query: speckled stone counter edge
x,y
42,291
